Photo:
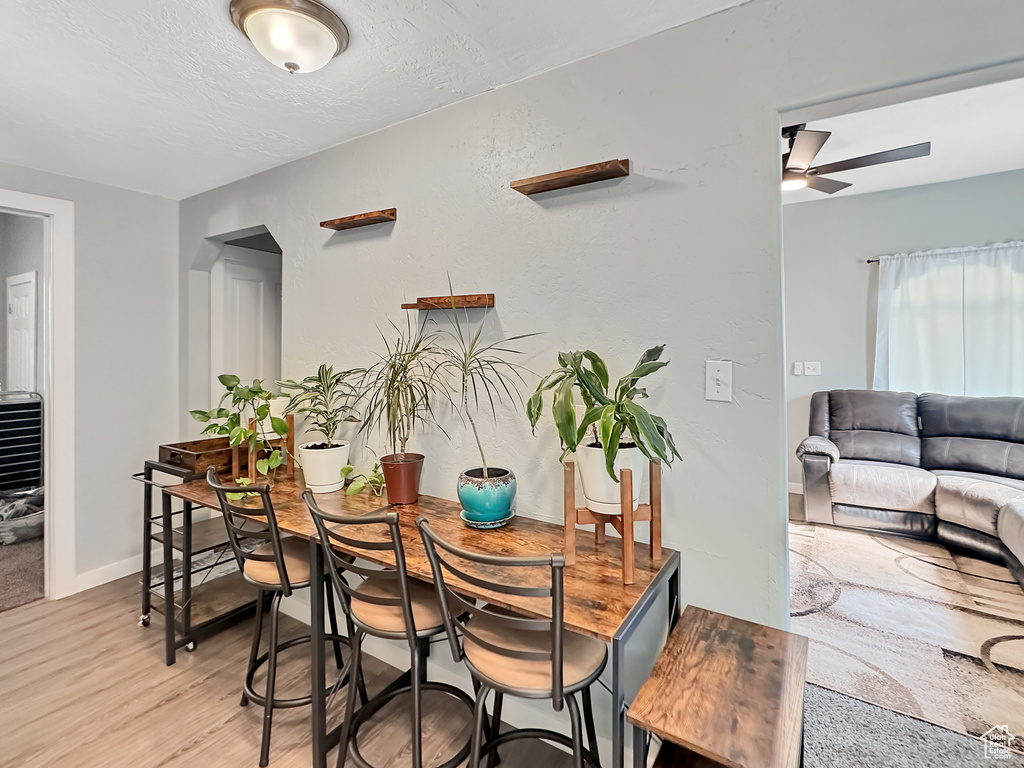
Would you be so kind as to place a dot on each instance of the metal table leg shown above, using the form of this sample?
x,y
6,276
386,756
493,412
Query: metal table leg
x,y
170,645
147,544
318,708
186,571
667,579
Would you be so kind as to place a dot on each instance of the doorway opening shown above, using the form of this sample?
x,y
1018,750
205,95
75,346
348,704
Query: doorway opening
x,y
909,605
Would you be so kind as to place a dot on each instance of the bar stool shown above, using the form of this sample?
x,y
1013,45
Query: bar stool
x,y
277,567
511,654
387,604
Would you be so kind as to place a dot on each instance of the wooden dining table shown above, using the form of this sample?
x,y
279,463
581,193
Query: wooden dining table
x,y
596,602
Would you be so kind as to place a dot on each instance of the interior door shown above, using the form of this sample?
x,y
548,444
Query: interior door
x,y
247,333
21,333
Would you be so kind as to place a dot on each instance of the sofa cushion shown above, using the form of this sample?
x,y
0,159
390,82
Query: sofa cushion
x,y
879,426
882,485
1008,481
973,434
974,504
1011,528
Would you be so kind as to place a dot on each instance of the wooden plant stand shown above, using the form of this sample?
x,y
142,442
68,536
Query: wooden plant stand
x,y
622,523
289,443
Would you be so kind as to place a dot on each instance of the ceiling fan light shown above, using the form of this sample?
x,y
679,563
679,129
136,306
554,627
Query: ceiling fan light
x,y
295,35
791,181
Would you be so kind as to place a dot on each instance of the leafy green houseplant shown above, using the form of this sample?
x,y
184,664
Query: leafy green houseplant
x,y
482,376
248,402
622,433
397,393
374,481
325,400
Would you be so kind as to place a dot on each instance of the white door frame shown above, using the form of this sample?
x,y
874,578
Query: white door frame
x,y
57,314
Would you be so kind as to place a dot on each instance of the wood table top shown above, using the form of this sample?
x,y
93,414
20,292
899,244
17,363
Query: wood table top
x,y
596,601
729,690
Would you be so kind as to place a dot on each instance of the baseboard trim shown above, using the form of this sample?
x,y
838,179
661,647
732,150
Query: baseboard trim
x,y
112,572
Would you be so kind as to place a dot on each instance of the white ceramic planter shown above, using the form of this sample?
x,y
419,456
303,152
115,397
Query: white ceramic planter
x,y
321,467
602,494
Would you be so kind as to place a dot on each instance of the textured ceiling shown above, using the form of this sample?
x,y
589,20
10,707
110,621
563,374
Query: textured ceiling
x,y
167,97
973,132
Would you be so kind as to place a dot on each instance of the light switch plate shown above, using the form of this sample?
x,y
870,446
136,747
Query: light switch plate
x,y
718,380
798,369
812,368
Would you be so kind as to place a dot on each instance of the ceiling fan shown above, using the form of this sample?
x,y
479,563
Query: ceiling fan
x,y
804,145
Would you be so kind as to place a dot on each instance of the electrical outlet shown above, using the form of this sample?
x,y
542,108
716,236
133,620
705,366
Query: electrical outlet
x,y
798,369
812,368
718,380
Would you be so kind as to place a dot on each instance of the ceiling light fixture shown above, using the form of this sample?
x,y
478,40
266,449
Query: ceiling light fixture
x,y
296,35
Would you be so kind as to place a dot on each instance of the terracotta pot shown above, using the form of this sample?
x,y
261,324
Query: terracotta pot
x,y
402,477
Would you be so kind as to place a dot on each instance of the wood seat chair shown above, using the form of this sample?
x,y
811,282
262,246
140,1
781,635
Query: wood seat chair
x,y
386,604
277,566
511,654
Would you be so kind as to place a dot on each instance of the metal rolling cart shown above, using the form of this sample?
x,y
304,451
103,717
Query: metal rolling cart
x,y
204,602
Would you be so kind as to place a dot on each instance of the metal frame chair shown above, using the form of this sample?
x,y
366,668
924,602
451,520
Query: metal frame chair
x,y
239,518
346,532
464,618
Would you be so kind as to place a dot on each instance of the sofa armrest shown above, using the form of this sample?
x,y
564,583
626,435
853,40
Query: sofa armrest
x,y
817,492
818,446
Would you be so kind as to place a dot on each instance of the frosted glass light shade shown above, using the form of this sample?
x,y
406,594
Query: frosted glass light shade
x,y
295,35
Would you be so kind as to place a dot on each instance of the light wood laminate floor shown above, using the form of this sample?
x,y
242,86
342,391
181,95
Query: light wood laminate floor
x,y
81,685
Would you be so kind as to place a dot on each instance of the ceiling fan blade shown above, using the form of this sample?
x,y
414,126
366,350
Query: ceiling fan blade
x,y
828,186
890,156
806,145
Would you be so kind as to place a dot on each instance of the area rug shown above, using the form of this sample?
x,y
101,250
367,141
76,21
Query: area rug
x,y
912,627
21,573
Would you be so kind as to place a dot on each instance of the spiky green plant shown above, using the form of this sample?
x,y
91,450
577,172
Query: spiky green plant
x,y
325,399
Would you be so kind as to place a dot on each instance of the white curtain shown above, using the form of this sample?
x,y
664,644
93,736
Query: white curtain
x,y
952,321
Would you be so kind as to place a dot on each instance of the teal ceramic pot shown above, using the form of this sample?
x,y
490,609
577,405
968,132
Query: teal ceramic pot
x,y
487,502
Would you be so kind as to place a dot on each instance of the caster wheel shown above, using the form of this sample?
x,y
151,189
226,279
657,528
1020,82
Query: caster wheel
x,y
190,646
144,620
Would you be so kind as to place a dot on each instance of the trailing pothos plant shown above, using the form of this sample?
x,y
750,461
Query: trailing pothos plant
x,y
374,481
247,402
612,416
324,399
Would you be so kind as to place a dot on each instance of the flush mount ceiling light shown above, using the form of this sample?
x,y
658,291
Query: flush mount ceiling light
x,y
296,35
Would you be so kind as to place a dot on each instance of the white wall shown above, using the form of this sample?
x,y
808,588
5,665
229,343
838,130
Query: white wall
x,y
685,251
21,251
831,292
126,347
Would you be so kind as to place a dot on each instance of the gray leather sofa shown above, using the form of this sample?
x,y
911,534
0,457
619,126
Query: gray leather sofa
x,y
929,466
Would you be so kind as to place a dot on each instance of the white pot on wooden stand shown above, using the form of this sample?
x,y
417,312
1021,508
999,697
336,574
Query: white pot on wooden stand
x,y
321,467
599,490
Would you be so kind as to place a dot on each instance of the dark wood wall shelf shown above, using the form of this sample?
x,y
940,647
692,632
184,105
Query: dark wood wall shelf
x,y
468,301
610,169
361,219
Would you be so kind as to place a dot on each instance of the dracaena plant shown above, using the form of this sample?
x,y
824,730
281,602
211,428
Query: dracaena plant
x,y
324,399
611,416
247,402
400,388
481,372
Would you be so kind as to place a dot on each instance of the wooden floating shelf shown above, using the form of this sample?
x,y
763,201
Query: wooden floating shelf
x,y
361,219
469,301
610,169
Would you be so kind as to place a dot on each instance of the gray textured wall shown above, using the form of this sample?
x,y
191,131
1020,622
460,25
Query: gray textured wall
x,y
21,251
686,251
831,292
126,347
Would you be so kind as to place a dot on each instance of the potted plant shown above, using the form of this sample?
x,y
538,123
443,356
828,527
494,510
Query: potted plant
x,y
487,493
324,400
374,481
398,390
249,402
616,433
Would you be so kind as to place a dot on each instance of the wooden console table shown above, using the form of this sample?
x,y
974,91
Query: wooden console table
x,y
724,692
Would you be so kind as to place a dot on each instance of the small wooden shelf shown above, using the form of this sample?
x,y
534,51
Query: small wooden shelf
x,y
610,169
469,301
361,219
